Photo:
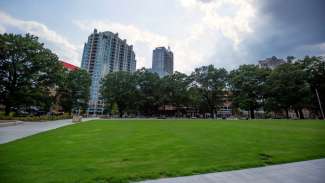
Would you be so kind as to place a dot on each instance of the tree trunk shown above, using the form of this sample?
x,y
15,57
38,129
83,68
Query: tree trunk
x,y
121,113
212,114
7,109
301,114
287,113
252,113
297,113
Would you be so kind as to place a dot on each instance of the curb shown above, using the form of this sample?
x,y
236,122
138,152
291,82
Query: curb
x,y
13,123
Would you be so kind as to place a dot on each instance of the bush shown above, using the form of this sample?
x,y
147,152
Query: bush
x,y
36,118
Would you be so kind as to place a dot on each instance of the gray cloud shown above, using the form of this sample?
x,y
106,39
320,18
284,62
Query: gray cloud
x,y
281,28
290,25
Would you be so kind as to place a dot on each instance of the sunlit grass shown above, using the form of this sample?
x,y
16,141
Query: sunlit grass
x,y
120,151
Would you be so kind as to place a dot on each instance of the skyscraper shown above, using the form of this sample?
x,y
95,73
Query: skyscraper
x,y
105,52
162,61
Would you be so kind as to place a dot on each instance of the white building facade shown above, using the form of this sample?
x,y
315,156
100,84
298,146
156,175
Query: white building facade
x,y
103,53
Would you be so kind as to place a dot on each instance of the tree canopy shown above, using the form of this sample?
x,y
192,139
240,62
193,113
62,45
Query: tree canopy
x,y
287,88
73,91
247,85
119,88
32,76
210,85
28,72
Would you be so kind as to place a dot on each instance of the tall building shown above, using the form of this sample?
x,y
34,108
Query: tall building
x,y
271,63
103,53
162,61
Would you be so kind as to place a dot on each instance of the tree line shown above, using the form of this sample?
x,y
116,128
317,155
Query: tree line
x,y
292,86
33,79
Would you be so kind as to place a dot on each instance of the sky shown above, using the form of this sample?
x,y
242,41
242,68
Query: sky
x,y
225,33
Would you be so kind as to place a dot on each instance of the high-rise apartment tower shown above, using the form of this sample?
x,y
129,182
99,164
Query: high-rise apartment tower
x,y
162,61
105,52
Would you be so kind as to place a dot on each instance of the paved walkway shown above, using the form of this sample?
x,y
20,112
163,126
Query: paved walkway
x,y
11,133
301,172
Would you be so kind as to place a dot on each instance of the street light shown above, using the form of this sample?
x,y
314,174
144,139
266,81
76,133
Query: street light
x,y
319,103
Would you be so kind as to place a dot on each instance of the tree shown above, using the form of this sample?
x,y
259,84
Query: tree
x,y
28,72
148,91
210,84
290,59
287,88
74,90
114,109
174,89
247,85
315,72
194,98
120,88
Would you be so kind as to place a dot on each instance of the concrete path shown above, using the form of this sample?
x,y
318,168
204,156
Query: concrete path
x,y
301,172
11,133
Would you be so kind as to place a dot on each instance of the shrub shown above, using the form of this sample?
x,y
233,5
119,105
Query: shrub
x,y
36,118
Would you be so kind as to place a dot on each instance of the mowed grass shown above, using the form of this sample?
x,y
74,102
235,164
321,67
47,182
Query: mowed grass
x,y
123,151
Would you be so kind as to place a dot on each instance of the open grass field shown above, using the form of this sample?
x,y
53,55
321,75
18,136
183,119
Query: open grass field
x,y
122,151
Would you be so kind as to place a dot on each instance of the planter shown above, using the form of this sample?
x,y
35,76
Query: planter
x,y
76,119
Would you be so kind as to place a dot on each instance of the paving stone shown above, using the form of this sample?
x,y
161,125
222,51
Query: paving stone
x,y
11,133
312,171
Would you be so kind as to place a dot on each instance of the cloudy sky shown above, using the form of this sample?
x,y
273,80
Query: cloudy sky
x,y
225,33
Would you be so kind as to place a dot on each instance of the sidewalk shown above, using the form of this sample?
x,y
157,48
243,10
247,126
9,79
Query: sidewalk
x,y
300,172
11,133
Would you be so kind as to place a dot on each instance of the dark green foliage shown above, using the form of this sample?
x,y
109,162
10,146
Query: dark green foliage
x,y
36,118
287,88
144,91
290,86
315,76
174,89
28,72
73,92
31,76
148,92
247,84
209,83
120,88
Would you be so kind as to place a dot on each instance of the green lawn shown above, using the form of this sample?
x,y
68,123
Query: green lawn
x,y
120,151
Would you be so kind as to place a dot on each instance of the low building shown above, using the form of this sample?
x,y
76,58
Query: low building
x,y
271,63
68,66
56,108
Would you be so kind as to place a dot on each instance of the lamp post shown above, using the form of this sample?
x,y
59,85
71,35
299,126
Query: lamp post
x,y
319,103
